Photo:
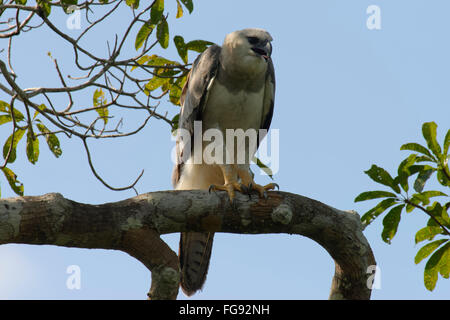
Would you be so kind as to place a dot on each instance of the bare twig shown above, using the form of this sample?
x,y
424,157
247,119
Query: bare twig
x,y
109,72
131,186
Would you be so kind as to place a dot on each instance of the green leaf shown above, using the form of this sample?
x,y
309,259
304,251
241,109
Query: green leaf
x,y
420,199
198,45
422,178
440,213
370,215
4,106
65,4
427,233
417,168
425,196
382,176
442,178
174,121
369,195
444,269
22,2
162,34
155,83
429,133
154,60
142,60
424,159
176,89
41,107
143,35
32,147
99,100
427,249
45,7
390,223
51,138
409,206
432,267
416,147
15,184
167,72
5,118
18,115
134,4
103,113
167,85
263,167
18,134
179,10
181,48
403,171
188,4
432,193
157,11
406,172
446,142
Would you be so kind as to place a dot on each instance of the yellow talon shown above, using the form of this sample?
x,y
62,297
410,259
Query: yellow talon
x,y
262,190
229,188
240,180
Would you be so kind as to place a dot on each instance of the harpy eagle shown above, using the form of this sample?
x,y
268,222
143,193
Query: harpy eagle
x,y
228,87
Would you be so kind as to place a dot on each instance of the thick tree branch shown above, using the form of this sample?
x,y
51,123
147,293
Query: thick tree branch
x,y
134,226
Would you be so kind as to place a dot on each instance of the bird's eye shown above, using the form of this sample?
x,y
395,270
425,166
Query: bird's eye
x,y
253,40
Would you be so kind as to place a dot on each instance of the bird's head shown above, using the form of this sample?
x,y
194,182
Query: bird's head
x,y
252,42
250,48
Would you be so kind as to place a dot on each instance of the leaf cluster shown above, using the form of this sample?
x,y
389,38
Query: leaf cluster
x,y
108,79
423,164
32,129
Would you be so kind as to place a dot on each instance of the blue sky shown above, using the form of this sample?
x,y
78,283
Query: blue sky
x,y
347,97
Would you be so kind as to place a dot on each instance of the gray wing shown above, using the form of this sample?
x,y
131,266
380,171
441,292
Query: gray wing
x,y
269,97
193,98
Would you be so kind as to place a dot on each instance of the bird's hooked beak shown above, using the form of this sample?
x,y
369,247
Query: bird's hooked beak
x,y
262,49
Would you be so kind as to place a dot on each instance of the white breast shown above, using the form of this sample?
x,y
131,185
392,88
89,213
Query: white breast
x,y
232,110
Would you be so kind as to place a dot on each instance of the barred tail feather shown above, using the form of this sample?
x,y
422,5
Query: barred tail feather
x,y
195,252
195,247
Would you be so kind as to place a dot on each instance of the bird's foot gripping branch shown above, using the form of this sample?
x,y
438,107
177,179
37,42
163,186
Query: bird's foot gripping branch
x,y
135,225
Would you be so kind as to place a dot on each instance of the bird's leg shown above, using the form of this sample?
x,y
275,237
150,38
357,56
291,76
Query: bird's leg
x,y
247,180
231,184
